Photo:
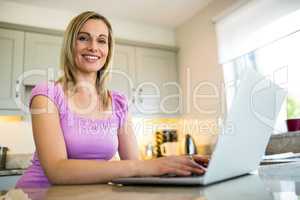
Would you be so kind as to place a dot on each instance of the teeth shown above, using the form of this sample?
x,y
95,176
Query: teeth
x,y
91,57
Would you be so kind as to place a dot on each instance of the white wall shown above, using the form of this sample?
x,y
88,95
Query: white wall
x,y
57,19
198,67
17,136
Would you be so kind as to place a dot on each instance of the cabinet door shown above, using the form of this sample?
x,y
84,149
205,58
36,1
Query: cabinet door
x,y
157,81
123,78
42,57
11,64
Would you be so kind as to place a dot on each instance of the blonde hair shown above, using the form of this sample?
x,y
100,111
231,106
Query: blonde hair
x,y
67,61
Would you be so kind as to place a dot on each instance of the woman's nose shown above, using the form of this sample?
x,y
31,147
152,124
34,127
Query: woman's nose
x,y
93,46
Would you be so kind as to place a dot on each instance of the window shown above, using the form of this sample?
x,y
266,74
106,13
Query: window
x,y
280,62
268,43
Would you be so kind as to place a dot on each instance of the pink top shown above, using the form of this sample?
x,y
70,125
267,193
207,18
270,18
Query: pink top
x,y
95,139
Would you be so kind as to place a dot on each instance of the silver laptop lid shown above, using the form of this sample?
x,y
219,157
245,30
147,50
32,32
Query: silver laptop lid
x,y
247,129
242,141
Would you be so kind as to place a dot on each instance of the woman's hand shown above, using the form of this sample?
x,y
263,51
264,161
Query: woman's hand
x,y
177,165
202,160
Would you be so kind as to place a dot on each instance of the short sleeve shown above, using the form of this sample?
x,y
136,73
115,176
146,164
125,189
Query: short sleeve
x,y
52,91
120,107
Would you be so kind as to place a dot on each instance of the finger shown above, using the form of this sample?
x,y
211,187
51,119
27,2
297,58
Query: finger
x,y
194,164
171,164
181,172
186,161
182,163
184,166
199,166
203,164
194,170
201,160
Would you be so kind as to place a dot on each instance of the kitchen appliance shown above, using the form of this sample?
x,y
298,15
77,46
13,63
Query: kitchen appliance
x,y
169,148
148,152
190,146
163,136
3,152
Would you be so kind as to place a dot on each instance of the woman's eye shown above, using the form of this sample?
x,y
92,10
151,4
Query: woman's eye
x,y
83,38
102,41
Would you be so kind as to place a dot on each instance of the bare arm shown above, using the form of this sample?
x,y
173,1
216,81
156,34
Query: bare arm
x,y
128,147
52,153
59,169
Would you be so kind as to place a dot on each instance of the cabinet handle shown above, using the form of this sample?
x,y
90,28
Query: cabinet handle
x,y
139,93
17,88
141,100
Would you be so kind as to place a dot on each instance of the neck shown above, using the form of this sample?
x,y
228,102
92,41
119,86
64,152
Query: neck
x,y
86,82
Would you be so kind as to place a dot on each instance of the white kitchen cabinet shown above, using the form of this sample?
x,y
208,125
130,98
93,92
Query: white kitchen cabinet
x,y
26,59
148,77
41,57
156,81
11,67
123,70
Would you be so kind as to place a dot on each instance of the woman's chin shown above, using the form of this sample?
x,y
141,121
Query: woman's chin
x,y
90,68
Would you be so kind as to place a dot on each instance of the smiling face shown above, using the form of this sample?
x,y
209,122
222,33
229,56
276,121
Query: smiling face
x,y
91,46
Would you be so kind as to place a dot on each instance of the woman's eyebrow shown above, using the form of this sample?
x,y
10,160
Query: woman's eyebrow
x,y
101,35
82,32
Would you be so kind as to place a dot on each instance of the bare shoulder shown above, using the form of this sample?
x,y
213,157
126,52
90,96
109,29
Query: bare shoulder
x,y
41,104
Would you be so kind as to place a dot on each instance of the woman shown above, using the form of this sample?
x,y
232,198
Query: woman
x,y
78,125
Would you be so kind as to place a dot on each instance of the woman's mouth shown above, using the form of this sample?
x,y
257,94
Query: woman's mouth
x,y
91,58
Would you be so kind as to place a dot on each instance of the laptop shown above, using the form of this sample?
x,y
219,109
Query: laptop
x,y
242,139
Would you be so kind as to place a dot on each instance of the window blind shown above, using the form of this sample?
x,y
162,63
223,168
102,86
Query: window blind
x,y
255,24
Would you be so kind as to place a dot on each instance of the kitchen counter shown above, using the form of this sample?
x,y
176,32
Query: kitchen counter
x,y
284,142
279,182
10,172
